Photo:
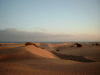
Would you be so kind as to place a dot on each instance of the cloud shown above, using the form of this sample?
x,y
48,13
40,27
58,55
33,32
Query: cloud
x,y
10,29
14,35
41,29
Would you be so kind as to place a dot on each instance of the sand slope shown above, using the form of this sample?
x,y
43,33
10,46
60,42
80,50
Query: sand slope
x,y
41,52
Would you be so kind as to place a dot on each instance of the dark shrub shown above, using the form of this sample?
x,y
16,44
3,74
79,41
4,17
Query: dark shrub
x,y
78,45
97,44
57,49
0,44
29,43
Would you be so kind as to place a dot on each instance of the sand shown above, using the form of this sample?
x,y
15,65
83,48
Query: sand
x,y
17,59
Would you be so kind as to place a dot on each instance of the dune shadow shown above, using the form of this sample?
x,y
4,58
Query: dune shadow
x,y
73,57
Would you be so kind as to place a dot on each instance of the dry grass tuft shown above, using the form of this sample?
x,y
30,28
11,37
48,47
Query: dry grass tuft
x,y
78,45
30,43
1,44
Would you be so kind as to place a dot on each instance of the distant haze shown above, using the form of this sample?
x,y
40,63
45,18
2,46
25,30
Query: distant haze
x,y
13,35
49,20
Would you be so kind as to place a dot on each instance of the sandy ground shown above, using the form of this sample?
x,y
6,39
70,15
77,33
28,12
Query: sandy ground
x,y
17,59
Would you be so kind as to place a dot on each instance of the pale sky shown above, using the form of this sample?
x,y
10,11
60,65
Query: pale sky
x,y
50,20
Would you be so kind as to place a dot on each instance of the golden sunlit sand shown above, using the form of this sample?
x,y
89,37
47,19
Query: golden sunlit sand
x,y
49,59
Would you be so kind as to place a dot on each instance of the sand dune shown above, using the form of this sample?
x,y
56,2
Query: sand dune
x,y
17,51
47,46
92,53
56,45
52,46
17,59
40,52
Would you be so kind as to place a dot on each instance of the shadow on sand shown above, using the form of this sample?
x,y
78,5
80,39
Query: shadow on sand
x,y
73,57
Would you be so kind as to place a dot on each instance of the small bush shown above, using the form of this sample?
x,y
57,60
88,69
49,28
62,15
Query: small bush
x,y
78,45
96,44
29,43
57,49
0,44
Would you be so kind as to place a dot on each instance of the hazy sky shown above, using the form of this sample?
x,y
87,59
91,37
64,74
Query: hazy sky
x,y
49,20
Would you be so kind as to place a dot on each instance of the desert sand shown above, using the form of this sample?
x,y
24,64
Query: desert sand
x,y
49,59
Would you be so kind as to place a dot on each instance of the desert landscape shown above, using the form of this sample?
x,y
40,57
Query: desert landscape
x,y
49,59
49,37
